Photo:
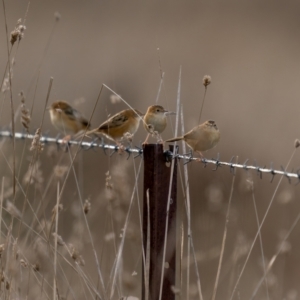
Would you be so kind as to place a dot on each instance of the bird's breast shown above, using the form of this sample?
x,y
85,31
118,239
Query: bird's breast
x,y
155,123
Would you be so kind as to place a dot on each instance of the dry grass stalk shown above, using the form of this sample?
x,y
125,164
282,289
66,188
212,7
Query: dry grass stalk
x,y
259,229
206,81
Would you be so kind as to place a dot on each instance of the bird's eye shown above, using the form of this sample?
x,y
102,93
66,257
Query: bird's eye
x,y
157,110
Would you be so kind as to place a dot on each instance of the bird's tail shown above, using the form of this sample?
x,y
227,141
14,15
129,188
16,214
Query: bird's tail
x,y
179,138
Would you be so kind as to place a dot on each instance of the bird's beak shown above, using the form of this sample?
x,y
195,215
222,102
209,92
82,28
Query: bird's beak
x,y
169,113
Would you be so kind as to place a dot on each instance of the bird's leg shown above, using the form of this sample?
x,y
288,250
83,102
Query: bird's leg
x,y
201,156
66,139
146,140
159,139
121,147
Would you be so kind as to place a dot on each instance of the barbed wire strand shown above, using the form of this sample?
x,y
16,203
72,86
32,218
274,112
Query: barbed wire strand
x,y
138,151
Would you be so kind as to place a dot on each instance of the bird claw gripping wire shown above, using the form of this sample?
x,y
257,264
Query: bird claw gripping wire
x,y
217,162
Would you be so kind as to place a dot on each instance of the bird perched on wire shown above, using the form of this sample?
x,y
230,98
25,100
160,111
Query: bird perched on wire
x,y
126,121
202,137
155,120
66,118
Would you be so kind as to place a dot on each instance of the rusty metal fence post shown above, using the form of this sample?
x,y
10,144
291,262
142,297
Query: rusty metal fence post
x,y
156,182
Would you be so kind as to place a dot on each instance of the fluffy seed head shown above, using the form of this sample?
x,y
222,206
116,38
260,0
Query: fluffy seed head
x,y
206,80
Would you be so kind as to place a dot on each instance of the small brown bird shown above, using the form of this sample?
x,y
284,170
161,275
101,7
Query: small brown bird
x,y
202,137
126,121
67,119
155,120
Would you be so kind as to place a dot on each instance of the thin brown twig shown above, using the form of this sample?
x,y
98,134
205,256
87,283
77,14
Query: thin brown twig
x,y
260,226
36,153
11,103
202,105
224,238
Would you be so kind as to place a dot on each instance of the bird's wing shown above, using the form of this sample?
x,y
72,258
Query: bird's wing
x,y
77,116
114,121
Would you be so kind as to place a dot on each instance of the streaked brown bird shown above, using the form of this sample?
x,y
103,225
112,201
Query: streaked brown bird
x,y
66,118
202,137
126,121
155,120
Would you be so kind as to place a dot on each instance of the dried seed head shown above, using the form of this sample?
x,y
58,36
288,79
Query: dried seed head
x,y
36,267
36,143
34,175
114,99
15,249
44,226
2,248
60,241
206,80
297,143
17,33
23,263
175,290
57,16
6,81
108,184
60,171
14,36
11,209
128,281
60,208
76,256
25,116
87,206
109,236
284,247
286,196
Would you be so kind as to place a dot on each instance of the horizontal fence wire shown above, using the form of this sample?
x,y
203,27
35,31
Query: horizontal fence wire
x,y
138,151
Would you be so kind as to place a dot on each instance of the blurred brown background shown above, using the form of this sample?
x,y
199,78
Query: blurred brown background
x,y
251,51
